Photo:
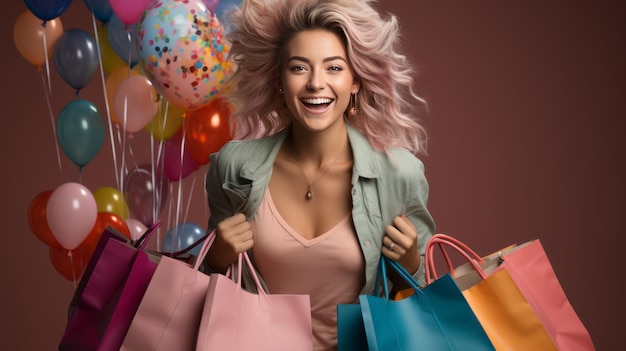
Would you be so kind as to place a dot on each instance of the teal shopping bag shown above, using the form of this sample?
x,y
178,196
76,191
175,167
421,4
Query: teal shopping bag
x,y
436,317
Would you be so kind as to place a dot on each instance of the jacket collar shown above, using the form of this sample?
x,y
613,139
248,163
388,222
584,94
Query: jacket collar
x,y
365,164
364,155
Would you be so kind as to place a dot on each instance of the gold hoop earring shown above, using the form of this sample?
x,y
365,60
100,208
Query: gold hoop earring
x,y
353,110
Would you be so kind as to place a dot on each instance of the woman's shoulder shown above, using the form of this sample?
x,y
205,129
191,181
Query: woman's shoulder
x,y
238,152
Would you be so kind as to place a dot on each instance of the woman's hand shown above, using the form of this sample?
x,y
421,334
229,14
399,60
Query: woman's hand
x,y
233,236
400,243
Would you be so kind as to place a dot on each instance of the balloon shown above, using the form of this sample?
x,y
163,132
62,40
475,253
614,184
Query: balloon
x,y
83,253
109,199
207,130
182,51
137,229
113,82
211,4
110,59
101,9
174,168
129,11
224,6
122,40
166,123
135,103
103,220
70,265
146,193
76,57
71,213
182,236
37,219
47,9
28,36
80,131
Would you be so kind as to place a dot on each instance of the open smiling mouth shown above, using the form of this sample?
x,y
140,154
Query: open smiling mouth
x,y
317,103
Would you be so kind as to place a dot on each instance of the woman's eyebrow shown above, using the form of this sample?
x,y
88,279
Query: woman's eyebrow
x,y
327,59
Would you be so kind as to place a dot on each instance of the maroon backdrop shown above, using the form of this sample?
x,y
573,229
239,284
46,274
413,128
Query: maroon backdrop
x,y
525,124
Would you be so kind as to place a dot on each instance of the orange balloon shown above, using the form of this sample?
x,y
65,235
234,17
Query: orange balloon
x,y
207,130
70,267
112,83
28,36
38,221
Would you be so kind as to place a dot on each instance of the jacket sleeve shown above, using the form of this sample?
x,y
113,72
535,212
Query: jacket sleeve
x,y
418,214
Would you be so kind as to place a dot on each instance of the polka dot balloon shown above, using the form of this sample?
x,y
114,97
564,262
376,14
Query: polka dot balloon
x,y
183,53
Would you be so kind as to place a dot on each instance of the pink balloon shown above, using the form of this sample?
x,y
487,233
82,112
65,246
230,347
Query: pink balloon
x,y
71,213
146,193
129,11
135,103
137,229
174,168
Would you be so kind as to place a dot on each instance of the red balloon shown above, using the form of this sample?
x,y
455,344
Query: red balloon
x,y
38,221
207,130
103,220
70,267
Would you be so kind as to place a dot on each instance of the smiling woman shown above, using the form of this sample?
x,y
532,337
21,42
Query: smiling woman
x,y
339,182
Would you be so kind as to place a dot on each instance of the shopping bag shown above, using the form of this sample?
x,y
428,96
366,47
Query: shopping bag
x,y
350,328
436,317
501,308
99,290
530,268
169,313
235,319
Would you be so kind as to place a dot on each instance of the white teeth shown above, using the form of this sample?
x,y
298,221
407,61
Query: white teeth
x,y
317,101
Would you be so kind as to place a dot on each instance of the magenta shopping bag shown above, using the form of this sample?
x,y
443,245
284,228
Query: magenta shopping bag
x,y
98,293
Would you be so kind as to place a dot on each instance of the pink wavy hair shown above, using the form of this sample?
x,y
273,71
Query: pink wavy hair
x,y
257,32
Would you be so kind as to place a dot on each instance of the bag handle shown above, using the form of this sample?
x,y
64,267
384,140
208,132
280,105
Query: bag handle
x,y
145,237
459,244
382,272
442,240
204,249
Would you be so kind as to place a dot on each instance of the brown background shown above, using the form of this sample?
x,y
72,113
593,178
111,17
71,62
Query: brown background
x,y
526,124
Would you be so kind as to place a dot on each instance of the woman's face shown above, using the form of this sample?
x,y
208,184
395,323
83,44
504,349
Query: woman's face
x,y
316,79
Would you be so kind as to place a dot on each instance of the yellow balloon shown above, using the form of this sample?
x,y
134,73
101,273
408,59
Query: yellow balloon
x,y
109,199
110,59
164,125
112,83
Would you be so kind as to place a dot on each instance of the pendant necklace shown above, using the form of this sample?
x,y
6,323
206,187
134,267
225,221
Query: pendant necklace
x,y
309,192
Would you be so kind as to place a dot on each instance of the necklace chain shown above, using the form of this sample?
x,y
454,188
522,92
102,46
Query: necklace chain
x,y
309,192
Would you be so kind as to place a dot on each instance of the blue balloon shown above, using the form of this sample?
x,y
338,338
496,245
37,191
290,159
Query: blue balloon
x,y
80,131
182,236
101,9
123,40
47,9
224,6
76,57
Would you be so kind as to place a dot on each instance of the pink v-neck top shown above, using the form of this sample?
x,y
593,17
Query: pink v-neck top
x,y
329,268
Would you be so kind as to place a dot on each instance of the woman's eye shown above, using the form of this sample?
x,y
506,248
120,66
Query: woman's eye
x,y
298,68
335,68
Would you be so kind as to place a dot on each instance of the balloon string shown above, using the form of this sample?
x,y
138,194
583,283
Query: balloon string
x,y
54,128
106,101
74,279
130,47
193,185
45,50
